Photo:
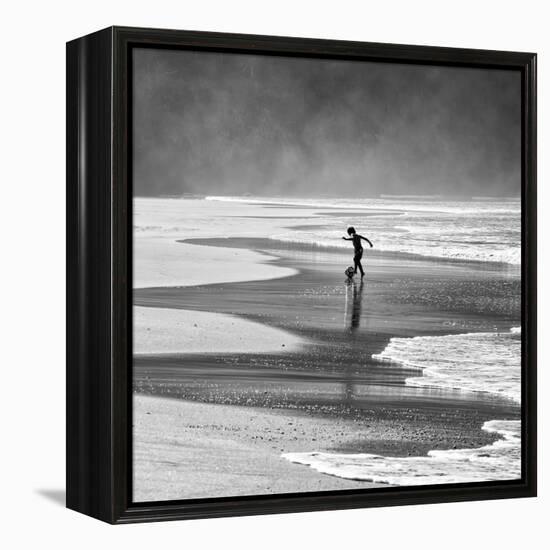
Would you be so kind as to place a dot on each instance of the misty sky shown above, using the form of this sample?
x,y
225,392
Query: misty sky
x,y
229,124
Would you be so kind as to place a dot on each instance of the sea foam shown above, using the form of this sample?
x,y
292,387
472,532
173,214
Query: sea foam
x,y
499,461
480,362
476,362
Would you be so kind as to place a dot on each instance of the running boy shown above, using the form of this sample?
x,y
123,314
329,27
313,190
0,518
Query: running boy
x,y
356,238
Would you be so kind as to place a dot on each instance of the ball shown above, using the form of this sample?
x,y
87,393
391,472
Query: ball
x,y
349,271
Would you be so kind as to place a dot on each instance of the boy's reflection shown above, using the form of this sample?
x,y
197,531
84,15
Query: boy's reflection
x,y
354,297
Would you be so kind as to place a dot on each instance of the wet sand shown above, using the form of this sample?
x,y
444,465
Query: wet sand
x,y
363,405
401,295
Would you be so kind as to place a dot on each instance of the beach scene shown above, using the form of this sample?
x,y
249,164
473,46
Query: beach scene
x,y
326,275
260,368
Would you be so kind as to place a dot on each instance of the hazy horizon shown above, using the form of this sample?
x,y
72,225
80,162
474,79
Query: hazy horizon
x,y
190,194
237,124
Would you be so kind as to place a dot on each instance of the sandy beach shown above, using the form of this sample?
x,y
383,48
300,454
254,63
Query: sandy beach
x,y
161,331
202,451
212,414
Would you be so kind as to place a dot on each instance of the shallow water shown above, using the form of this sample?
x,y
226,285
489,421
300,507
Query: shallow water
x,y
474,363
407,306
479,362
498,461
482,230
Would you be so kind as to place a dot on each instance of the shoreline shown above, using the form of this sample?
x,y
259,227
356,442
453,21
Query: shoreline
x,y
277,245
188,449
416,297
199,266
334,378
355,322
191,450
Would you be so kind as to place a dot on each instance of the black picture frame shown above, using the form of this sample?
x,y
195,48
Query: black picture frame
x,y
99,290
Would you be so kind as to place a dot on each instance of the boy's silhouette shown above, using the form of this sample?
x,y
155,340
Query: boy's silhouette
x,y
356,238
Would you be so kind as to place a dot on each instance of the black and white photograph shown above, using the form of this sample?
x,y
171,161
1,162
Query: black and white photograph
x,y
274,275
326,274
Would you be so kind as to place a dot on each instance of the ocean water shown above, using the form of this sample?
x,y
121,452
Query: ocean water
x,y
473,362
498,461
480,229
478,362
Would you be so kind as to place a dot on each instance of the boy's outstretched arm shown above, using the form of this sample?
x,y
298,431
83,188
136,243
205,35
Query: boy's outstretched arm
x,y
347,238
365,239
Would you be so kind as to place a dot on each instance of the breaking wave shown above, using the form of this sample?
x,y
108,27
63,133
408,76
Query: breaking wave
x,y
476,362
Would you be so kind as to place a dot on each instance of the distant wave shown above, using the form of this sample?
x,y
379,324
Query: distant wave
x,y
412,197
482,237
405,204
392,243
484,231
482,362
492,199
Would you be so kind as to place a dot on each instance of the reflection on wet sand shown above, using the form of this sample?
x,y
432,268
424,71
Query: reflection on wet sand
x,y
354,302
354,297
